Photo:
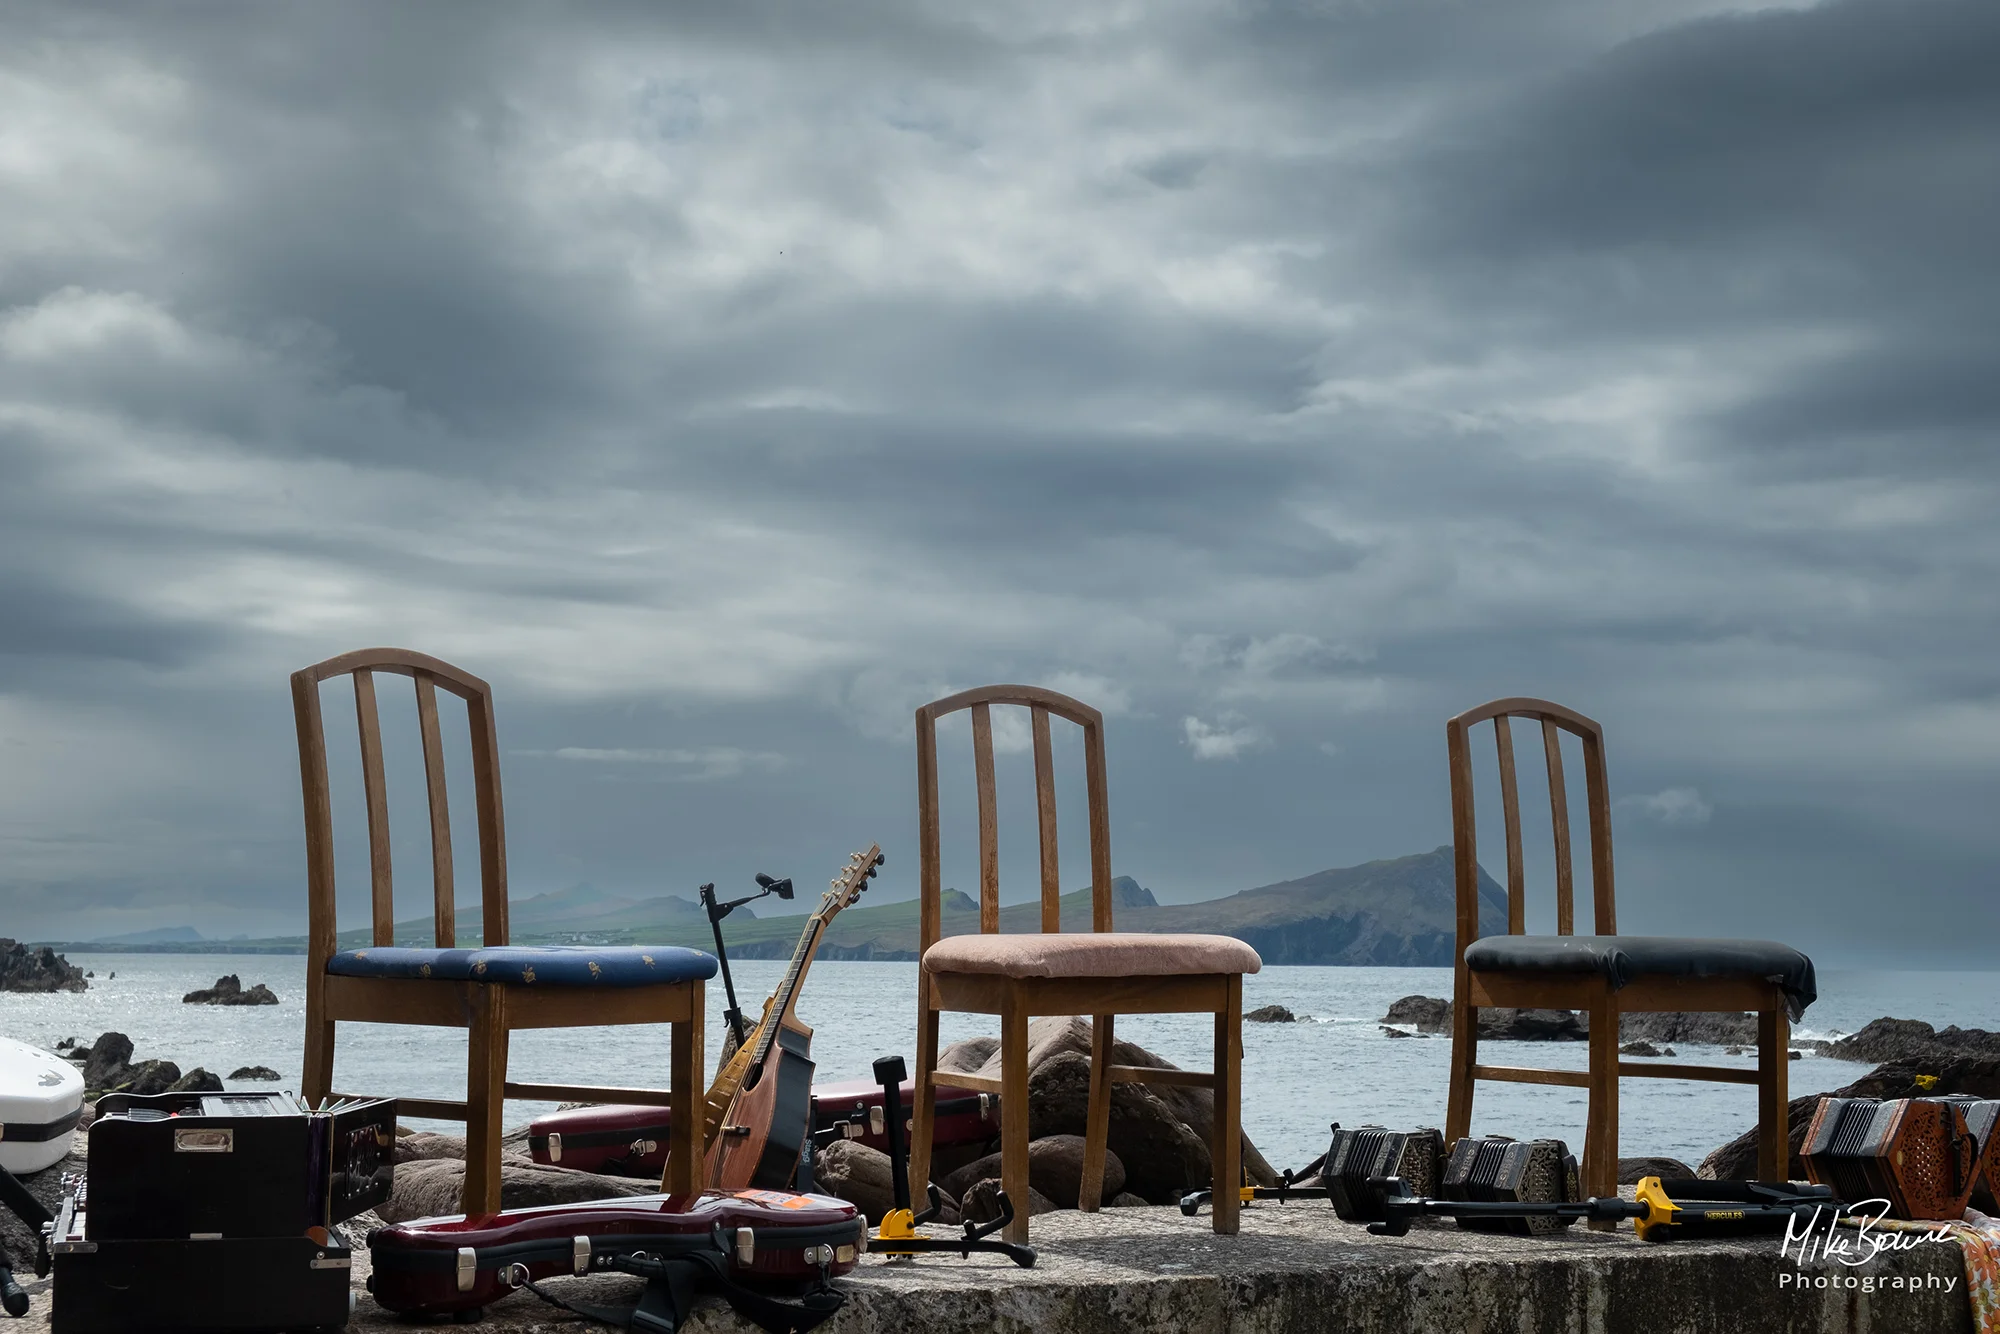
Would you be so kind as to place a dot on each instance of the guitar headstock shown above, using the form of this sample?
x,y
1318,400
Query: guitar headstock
x,y
846,887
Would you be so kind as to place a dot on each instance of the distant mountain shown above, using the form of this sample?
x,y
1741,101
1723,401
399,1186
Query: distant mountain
x,y
159,935
1397,912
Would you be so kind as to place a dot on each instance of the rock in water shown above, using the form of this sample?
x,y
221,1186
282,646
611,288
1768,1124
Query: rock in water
x,y
427,1189
1270,1014
255,1072
25,969
1714,1030
229,990
196,1080
1055,1168
1899,1040
108,1057
1638,1049
1630,1170
1427,1014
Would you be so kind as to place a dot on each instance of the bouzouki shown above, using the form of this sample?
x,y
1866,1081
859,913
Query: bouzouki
x,y
759,1110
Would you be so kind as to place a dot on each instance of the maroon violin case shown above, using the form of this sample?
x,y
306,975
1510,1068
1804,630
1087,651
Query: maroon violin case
x,y
632,1140
748,1243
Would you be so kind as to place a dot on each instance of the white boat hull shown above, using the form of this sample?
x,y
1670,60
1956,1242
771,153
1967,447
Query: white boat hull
x,y
41,1098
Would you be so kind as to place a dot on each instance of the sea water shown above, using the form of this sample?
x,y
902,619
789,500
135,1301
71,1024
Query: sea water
x,y
1337,1065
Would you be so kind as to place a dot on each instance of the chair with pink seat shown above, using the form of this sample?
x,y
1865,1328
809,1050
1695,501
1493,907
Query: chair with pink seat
x,y
1100,973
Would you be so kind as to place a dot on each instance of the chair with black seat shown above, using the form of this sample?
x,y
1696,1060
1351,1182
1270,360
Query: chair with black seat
x,y
1097,972
1604,975
489,991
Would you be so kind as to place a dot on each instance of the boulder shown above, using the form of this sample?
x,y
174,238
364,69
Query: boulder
x,y
1161,1154
1055,1168
1058,1035
1630,1170
228,990
1977,1075
1427,1014
1638,1049
255,1072
196,1080
108,1057
969,1055
424,1145
1125,1199
1270,1014
982,1202
40,970
854,1172
430,1188
148,1077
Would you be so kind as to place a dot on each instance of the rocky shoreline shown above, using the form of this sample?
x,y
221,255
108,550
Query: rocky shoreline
x,y
26,968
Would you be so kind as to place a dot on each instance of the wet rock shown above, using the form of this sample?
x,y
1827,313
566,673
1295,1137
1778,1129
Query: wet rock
x,y
1389,1032
148,1077
1270,1014
69,1044
982,1202
1638,1049
228,990
1732,1051
255,1072
37,970
1630,1170
1055,1168
196,1080
1427,1014
108,1057
430,1188
1794,1055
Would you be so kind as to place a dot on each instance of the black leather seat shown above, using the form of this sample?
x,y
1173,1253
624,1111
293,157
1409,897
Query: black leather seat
x,y
1623,958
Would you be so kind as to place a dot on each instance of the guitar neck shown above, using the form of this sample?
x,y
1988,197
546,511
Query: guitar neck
x,y
788,989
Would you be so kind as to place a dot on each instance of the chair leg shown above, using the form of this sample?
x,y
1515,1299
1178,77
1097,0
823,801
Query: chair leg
x,y
316,1082
485,1099
1464,1053
686,1086
1097,1116
1774,1148
1600,1144
1014,1114
1226,1150
924,1095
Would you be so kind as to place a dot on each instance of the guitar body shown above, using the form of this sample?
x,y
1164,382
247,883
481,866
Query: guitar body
x,y
762,1139
759,1110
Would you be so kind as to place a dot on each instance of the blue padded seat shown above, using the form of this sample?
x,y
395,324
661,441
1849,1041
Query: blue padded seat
x,y
531,965
1622,958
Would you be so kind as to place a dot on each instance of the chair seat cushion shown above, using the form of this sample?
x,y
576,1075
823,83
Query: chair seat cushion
x,y
1622,958
531,965
1092,954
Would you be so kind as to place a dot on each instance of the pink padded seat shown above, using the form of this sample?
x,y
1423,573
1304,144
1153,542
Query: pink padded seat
x,y
1092,954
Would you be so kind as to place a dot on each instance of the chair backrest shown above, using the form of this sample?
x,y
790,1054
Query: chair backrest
x,y
430,674
1041,704
1555,720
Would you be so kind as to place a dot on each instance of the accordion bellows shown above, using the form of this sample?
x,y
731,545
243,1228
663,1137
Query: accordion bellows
x,y
1365,1155
1533,1171
1919,1154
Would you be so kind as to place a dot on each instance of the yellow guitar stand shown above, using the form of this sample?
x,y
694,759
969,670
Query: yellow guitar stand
x,y
897,1237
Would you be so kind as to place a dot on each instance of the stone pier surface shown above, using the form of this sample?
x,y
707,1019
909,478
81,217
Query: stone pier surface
x,y
1295,1268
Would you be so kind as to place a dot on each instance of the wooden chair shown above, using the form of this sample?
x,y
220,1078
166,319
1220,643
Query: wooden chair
x,y
1604,975
1099,973
488,991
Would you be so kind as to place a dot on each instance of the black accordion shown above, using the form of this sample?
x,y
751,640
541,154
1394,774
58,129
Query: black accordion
x,y
1513,1171
214,1211
1981,1115
1360,1162
1918,1154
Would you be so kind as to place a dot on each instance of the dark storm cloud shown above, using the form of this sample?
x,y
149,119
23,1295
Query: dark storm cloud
x,y
724,381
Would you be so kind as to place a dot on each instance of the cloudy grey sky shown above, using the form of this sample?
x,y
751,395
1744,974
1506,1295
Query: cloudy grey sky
x,y
723,383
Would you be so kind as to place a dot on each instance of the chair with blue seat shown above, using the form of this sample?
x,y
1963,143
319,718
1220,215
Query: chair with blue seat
x,y
489,991
1603,975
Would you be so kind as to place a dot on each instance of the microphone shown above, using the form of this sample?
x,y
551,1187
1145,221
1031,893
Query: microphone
x,y
11,1295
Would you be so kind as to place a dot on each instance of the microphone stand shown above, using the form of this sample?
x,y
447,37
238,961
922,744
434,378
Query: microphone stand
x,y
733,1016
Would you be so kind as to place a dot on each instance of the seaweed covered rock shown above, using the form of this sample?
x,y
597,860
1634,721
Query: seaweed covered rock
x,y
24,968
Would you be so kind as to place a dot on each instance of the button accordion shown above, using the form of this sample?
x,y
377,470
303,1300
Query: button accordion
x,y
1514,1171
1918,1154
1360,1162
